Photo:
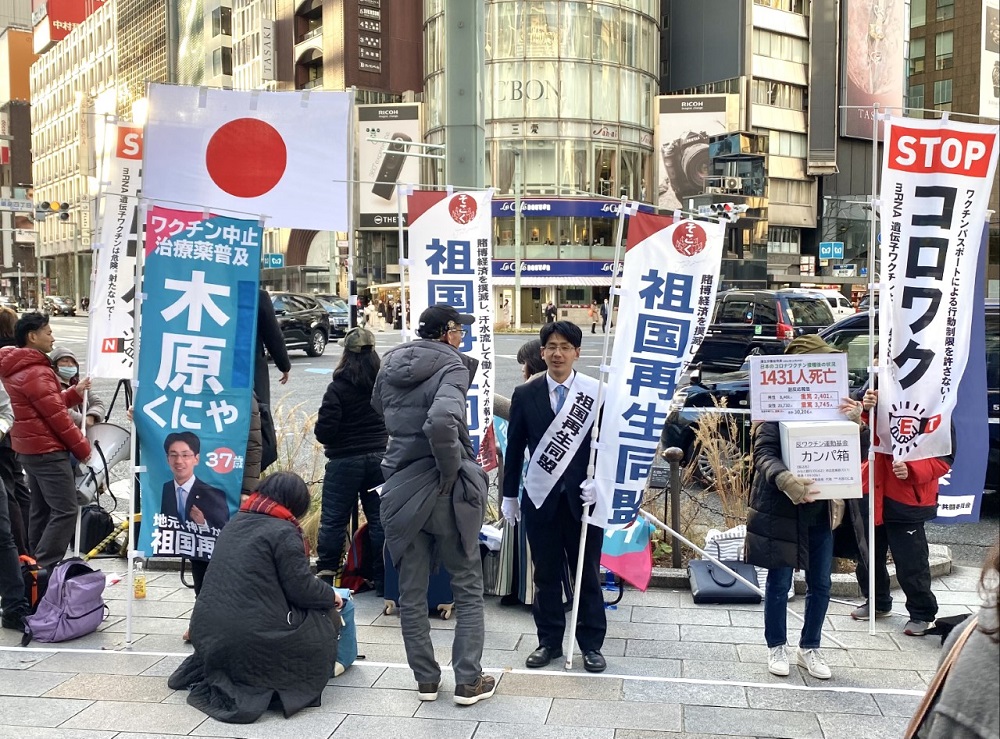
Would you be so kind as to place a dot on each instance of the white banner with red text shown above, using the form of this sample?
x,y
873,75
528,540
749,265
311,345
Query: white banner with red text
x,y
110,350
668,287
450,252
936,181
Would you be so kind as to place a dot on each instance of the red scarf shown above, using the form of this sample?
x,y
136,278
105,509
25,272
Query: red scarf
x,y
258,503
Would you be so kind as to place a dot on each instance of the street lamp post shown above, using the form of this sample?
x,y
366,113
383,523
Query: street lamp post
x,y
517,238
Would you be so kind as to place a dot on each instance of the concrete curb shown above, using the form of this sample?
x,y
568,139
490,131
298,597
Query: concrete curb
x,y
843,586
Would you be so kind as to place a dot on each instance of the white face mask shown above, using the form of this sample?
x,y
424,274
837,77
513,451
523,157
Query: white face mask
x,y
68,372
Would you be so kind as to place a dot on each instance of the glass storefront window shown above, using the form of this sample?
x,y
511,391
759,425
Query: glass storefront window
x,y
606,34
604,81
576,30
629,174
605,169
507,84
541,34
573,166
508,30
540,90
574,87
540,167
630,100
630,39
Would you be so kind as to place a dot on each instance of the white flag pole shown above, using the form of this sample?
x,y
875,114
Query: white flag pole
x,y
872,373
402,191
140,261
595,431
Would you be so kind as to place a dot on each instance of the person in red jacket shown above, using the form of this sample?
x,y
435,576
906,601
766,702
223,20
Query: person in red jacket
x,y
44,435
906,496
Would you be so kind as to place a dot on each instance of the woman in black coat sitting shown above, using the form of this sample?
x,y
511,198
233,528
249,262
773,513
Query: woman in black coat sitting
x,y
264,628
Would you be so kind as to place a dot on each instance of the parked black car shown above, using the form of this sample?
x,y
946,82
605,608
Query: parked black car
x,y
304,322
850,335
57,305
759,321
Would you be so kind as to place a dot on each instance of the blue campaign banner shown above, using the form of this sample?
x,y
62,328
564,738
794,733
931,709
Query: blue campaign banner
x,y
562,208
960,492
193,400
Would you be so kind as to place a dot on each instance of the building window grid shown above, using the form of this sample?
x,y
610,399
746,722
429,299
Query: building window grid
x,y
942,95
945,10
778,94
944,46
780,46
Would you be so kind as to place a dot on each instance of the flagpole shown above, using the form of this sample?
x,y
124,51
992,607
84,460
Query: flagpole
x,y
352,285
140,260
872,373
401,191
595,432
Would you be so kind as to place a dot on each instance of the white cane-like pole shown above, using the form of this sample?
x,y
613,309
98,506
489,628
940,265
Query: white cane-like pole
x,y
595,433
872,373
402,191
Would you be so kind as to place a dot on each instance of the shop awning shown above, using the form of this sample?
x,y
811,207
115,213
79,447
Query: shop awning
x,y
550,281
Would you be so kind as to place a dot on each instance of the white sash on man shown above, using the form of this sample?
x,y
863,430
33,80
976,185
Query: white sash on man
x,y
562,438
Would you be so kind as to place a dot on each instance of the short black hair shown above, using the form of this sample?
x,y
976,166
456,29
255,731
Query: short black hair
x,y
188,437
567,329
287,489
530,355
26,324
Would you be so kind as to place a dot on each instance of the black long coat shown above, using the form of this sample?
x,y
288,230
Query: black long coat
x,y
261,627
777,529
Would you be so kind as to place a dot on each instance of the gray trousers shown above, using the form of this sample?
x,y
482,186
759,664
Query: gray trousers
x,y
439,536
52,521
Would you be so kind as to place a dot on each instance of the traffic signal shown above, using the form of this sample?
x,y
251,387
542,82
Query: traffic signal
x,y
46,209
727,211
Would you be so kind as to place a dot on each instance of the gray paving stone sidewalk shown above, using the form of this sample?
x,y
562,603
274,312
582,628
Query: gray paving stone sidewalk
x,y
675,669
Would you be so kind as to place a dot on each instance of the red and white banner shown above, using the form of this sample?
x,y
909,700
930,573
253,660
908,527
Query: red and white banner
x,y
282,156
451,247
936,180
668,287
110,351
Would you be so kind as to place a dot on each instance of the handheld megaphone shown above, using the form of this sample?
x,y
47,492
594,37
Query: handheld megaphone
x,y
109,445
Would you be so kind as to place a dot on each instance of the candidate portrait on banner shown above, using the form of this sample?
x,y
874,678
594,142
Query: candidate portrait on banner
x,y
194,394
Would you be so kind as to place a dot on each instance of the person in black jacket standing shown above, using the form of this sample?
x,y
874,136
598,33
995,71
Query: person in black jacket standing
x,y
788,529
268,335
355,438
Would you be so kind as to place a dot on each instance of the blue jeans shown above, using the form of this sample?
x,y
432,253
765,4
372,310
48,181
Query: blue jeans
x,y
347,479
817,592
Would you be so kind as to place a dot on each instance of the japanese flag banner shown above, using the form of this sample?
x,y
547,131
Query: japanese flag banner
x,y
278,155
110,352
196,354
450,262
936,181
668,287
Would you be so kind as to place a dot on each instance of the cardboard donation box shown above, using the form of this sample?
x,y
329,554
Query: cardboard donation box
x,y
828,452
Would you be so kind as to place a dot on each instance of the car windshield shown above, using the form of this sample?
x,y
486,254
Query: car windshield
x,y
809,312
335,306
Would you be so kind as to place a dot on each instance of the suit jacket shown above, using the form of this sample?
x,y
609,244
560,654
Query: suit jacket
x,y
530,416
210,500
268,335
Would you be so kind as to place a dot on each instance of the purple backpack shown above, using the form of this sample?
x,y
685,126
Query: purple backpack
x,y
71,607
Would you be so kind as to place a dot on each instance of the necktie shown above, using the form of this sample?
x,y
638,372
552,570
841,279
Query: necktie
x,y
560,397
181,504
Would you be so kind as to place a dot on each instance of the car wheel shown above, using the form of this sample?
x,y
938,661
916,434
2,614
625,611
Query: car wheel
x,y
317,343
701,468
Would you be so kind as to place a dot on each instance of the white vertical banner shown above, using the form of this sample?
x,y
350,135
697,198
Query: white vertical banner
x,y
936,180
110,351
450,252
989,61
668,287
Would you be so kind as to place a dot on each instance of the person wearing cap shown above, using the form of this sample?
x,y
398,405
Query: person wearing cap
x,y
354,438
789,529
434,496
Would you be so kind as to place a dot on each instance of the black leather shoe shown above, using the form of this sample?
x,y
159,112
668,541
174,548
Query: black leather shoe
x,y
593,661
542,656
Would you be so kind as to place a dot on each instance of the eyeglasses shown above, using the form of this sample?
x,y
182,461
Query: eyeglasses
x,y
181,455
459,331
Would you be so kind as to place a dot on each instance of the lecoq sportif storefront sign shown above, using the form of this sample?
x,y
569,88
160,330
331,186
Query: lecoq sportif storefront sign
x,y
555,267
531,207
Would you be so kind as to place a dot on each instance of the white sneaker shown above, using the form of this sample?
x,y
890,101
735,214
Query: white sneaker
x,y
812,660
777,661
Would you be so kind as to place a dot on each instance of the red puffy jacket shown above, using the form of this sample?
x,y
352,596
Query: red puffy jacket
x,y
41,421
909,500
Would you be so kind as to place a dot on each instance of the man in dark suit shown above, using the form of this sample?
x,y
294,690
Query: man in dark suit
x,y
187,498
553,525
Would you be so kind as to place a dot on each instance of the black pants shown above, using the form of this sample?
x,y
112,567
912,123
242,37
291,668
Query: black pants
x,y
18,496
198,569
52,522
908,544
12,600
555,543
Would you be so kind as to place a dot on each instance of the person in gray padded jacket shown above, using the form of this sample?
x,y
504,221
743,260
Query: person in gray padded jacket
x,y
434,496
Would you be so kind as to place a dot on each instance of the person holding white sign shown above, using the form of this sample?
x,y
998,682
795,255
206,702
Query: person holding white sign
x,y
789,529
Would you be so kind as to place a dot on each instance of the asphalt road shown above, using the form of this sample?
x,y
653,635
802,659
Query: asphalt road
x,y
310,376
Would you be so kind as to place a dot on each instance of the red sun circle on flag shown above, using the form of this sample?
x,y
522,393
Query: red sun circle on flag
x,y
246,157
689,238
462,208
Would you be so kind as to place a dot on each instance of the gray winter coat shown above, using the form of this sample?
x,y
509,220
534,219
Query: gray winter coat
x,y
421,393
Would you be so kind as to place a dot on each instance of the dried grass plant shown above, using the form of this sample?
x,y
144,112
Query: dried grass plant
x,y
717,441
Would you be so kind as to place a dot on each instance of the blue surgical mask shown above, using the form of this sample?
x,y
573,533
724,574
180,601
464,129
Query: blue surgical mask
x,y
68,373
